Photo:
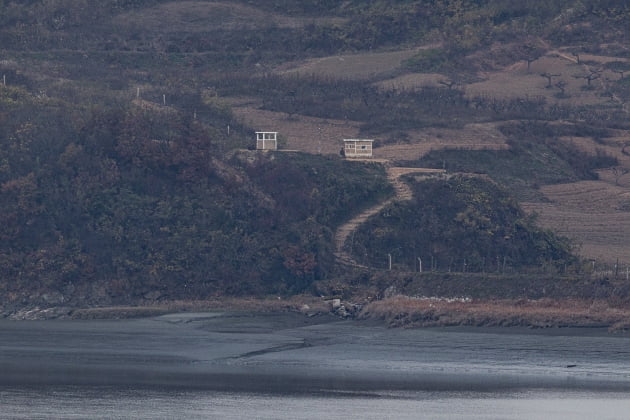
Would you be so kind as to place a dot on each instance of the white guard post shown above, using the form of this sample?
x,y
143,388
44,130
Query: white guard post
x,y
266,140
358,148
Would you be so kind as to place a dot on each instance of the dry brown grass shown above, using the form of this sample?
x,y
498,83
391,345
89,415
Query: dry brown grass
x,y
516,81
306,134
594,214
350,66
403,311
600,234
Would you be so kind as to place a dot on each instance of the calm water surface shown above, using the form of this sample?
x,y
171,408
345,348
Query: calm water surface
x,y
84,403
285,366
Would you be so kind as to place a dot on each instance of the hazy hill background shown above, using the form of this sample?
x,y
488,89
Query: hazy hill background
x,y
125,173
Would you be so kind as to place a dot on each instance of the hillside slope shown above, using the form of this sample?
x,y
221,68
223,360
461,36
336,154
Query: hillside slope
x,y
124,129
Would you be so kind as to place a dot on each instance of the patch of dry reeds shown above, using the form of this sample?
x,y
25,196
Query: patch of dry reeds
x,y
402,311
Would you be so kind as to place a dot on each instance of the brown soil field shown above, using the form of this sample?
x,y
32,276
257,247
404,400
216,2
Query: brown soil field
x,y
594,214
351,66
591,214
306,134
398,152
420,142
530,83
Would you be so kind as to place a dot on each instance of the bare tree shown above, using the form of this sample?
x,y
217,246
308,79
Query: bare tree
x,y
593,74
562,85
610,94
618,172
577,57
620,73
531,52
619,67
549,76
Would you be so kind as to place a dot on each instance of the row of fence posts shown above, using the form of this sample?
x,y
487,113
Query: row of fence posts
x,y
597,269
605,270
501,266
4,83
164,104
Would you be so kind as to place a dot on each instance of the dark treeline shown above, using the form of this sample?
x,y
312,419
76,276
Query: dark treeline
x,y
463,25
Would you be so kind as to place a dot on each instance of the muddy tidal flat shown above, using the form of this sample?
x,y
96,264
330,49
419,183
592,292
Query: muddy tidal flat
x,y
291,358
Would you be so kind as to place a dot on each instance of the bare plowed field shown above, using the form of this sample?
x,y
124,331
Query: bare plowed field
x,y
306,134
421,142
591,214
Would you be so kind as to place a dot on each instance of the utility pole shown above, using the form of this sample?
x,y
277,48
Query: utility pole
x,y
164,99
616,268
389,258
319,145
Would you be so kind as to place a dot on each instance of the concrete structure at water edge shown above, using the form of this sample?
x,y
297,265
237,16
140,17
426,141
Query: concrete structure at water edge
x,y
357,148
266,140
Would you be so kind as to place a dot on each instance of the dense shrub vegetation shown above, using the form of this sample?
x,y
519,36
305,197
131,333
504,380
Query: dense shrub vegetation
x,y
459,224
132,200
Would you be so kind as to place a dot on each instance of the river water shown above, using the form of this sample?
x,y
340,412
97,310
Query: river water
x,y
288,366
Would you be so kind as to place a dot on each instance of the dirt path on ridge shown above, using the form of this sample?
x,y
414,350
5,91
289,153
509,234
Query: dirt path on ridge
x,y
402,192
